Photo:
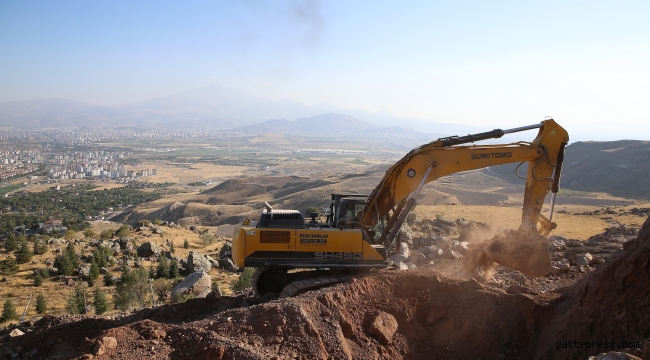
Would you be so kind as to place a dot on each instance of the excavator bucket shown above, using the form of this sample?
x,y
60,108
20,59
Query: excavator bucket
x,y
526,252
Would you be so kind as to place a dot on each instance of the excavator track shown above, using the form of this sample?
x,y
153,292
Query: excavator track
x,y
299,287
266,280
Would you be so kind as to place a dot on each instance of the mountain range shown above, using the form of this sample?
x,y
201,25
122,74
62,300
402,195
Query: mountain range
x,y
213,106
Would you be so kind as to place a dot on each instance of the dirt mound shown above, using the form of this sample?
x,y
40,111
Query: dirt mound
x,y
610,305
391,314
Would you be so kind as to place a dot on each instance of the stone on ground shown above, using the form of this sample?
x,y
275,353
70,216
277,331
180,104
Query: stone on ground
x,y
382,326
196,283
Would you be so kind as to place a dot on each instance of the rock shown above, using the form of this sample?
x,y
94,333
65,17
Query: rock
x,y
426,250
584,259
402,266
84,271
198,262
15,333
125,243
435,254
382,326
563,265
70,282
195,282
556,245
214,294
443,243
346,327
404,249
116,247
411,266
451,254
30,354
103,270
226,251
149,249
555,270
157,230
417,258
109,342
461,248
99,349
398,258
614,355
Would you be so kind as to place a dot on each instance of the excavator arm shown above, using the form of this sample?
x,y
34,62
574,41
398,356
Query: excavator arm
x,y
395,196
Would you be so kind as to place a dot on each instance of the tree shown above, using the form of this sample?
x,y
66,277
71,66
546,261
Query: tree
x,y
41,304
24,253
99,301
152,271
71,253
38,280
163,268
106,234
108,280
174,271
171,248
68,261
132,290
11,244
8,311
244,280
93,274
8,266
40,246
77,301
207,239
186,244
89,233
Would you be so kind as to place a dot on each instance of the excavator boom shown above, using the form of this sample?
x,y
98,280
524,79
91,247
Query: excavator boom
x,y
395,195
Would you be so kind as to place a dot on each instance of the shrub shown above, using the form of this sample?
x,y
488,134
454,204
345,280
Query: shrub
x,y
11,244
77,301
244,280
8,266
93,274
99,301
40,246
163,268
89,233
123,231
171,247
8,311
38,280
207,239
162,288
24,253
41,304
106,234
174,271
108,280
132,290
70,235
186,244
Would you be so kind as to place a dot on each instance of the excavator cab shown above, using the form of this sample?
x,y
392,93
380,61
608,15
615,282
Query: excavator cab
x,y
347,210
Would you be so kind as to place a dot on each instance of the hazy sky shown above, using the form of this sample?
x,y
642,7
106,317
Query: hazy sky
x,y
469,62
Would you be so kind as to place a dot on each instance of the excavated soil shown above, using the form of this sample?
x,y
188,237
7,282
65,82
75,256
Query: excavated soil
x,y
436,316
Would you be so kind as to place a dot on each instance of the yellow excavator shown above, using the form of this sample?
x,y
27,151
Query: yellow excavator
x,y
361,231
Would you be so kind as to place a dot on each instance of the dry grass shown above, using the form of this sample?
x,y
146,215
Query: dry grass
x,y
187,173
579,227
21,284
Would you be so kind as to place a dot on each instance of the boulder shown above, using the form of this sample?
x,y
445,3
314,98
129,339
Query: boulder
x,y
109,342
404,249
435,254
84,271
402,266
554,270
564,265
398,258
116,247
417,258
226,251
443,243
125,243
426,250
382,326
196,283
227,264
585,259
149,249
451,254
411,266
198,262
461,248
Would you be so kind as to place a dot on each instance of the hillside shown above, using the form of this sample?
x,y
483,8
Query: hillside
x,y
619,168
